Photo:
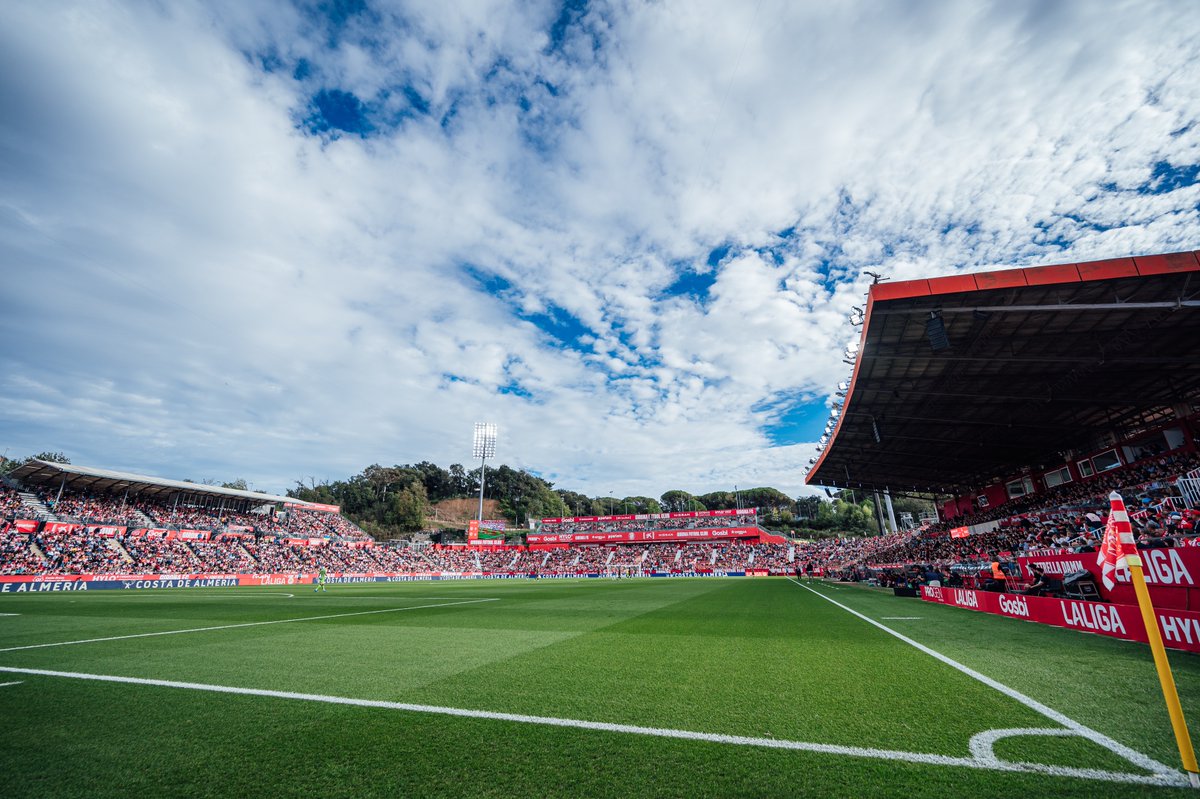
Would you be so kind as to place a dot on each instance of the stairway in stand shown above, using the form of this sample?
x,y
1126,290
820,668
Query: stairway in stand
x,y
36,508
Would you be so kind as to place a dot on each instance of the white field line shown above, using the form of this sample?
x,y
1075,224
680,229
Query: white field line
x,y
1132,755
1165,779
900,618
981,743
6,684
10,614
244,624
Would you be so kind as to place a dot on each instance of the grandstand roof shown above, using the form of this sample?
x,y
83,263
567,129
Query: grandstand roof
x,y
37,472
1041,361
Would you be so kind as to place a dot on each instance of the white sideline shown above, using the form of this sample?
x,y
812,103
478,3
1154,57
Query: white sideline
x,y
6,684
244,624
1132,755
1164,779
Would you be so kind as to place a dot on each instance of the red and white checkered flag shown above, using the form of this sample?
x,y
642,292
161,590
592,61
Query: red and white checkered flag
x,y
1118,541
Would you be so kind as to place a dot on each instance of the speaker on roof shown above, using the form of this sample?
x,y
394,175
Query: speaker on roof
x,y
935,331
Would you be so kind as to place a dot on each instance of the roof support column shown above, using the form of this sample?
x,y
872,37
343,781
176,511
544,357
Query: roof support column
x,y
887,495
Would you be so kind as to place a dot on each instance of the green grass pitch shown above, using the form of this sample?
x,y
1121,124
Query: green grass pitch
x,y
701,687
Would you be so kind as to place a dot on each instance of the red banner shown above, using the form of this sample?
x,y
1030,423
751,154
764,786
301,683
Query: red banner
x,y
959,532
1173,574
1180,628
639,536
26,525
61,527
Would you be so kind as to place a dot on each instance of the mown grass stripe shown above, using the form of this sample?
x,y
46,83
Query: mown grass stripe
x,y
243,624
1162,779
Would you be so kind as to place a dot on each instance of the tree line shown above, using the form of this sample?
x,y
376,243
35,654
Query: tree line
x,y
392,500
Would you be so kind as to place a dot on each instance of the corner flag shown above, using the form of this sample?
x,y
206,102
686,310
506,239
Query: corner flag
x,y
1119,550
1118,543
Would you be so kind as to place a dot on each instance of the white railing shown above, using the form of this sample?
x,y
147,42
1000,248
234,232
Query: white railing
x,y
1189,489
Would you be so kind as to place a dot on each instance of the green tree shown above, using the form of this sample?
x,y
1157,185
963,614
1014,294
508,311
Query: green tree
x,y
808,507
718,500
576,504
676,501
408,507
639,505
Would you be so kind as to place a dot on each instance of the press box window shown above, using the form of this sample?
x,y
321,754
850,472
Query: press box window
x,y
1057,477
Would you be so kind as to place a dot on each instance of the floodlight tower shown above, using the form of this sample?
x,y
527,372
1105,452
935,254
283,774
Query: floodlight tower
x,y
484,447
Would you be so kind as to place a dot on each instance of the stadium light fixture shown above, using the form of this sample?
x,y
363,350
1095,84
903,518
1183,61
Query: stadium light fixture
x,y
857,317
843,386
483,447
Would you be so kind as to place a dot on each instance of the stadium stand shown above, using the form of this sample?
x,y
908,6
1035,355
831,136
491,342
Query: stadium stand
x,y
1026,396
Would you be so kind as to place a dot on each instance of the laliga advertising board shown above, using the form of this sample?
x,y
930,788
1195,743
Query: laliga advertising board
x,y
1180,628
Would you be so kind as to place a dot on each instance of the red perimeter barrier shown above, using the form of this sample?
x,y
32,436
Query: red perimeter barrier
x,y
1180,628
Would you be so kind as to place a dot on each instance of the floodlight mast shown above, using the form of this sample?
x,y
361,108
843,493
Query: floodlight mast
x,y
483,447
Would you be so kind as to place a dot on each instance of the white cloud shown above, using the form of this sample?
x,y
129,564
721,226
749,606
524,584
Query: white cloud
x,y
196,284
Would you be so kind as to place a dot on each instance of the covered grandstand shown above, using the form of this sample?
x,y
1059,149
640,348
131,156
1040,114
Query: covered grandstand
x,y
64,476
962,382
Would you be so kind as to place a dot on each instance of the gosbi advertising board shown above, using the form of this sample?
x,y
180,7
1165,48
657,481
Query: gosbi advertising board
x,y
489,532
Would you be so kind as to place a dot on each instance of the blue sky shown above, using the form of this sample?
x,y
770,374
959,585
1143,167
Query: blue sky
x,y
281,240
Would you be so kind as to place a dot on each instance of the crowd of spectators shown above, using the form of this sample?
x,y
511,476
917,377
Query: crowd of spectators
x,y
159,555
88,552
10,503
17,557
1069,518
75,552
1152,479
132,511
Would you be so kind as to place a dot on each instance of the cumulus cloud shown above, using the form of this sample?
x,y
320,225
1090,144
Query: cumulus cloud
x,y
273,241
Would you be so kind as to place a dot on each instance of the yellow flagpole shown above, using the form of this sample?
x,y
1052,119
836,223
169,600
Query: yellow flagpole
x,y
1163,666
